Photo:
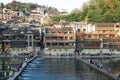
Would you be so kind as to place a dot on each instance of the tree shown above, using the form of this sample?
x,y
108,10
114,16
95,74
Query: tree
x,y
102,10
86,18
84,11
48,20
95,15
13,5
1,5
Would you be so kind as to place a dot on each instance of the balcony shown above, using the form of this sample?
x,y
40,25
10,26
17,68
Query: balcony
x,y
36,40
60,41
6,40
18,40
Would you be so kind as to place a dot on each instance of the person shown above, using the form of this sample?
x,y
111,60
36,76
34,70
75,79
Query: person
x,y
91,61
26,59
11,73
17,68
101,66
50,54
109,70
20,65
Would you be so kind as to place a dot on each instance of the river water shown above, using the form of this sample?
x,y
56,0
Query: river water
x,y
57,69
60,69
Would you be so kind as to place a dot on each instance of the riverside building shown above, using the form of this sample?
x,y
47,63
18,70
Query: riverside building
x,y
21,40
103,39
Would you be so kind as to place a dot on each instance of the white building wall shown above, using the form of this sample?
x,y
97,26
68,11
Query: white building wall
x,y
91,28
84,27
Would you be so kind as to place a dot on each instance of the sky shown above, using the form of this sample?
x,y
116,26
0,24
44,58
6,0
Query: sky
x,y
69,5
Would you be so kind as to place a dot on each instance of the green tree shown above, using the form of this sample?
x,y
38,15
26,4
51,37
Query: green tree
x,y
1,5
102,10
95,15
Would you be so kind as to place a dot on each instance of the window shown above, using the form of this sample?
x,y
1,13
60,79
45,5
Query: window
x,y
48,44
117,26
89,36
84,30
30,43
103,31
30,37
54,44
61,44
78,30
71,37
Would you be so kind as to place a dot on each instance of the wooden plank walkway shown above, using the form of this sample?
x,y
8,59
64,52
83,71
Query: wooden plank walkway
x,y
103,71
16,74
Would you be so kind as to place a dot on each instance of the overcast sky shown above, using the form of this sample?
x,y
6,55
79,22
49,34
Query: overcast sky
x,y
59,4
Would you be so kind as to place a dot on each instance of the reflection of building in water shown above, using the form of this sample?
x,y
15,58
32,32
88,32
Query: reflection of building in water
x,y
115,66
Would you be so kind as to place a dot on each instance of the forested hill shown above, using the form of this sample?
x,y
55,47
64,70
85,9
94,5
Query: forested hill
x,y
25,7
95,11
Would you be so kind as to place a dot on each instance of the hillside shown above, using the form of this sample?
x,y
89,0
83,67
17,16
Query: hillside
x,y
26,7
95,11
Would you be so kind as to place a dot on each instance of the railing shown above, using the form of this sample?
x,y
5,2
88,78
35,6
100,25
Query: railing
x,y
6,40
60,41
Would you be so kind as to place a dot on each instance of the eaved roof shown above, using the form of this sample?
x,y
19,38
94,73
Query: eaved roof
x,y
20,31
105,24
65,29
54,29
7,31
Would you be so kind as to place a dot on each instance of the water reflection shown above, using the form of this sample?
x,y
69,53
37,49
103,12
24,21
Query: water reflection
x,y
7,67
60,69
87,73
115,66
113,63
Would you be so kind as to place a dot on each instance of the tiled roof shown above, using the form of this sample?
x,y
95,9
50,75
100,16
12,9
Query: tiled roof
x,y
105,24
63,29
67,29
8,31
54,29
19,31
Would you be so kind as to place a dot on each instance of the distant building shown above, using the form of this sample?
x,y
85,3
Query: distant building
x,y
63,12
39,14
7,14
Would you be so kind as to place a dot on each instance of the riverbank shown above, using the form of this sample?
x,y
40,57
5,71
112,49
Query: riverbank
x,y
14,56
82,56
63,56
